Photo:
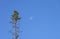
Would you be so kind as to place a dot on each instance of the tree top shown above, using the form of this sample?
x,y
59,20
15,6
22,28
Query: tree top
x,y
15,16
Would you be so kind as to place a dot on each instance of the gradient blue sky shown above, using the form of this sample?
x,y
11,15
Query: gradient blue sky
x,y
40,18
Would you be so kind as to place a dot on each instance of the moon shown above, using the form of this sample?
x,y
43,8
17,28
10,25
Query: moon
x,y
30,17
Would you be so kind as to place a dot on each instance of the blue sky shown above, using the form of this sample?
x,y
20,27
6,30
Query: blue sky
x,y
40,18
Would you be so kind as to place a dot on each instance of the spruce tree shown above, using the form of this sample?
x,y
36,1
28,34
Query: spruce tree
x,y
15,32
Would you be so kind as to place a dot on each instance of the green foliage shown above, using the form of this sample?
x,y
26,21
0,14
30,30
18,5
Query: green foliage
x,y
15,16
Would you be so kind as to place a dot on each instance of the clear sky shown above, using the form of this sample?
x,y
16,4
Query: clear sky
x,y
40,18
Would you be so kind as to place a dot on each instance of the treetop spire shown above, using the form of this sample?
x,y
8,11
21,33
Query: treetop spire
x,y
15,16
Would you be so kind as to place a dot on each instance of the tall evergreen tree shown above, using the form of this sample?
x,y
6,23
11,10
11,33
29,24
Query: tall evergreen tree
x,y
15,32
